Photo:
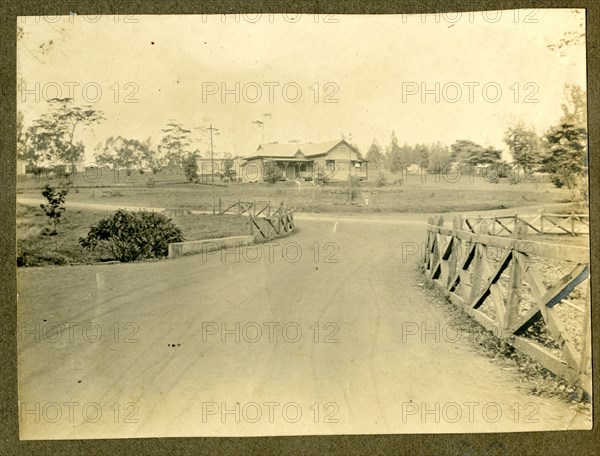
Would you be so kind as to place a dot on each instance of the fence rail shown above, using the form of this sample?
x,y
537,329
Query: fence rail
x,y
495,280
543,223
276,225
253,208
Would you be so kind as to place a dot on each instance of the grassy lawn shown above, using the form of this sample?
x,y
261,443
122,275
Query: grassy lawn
x,y
428,193
34,249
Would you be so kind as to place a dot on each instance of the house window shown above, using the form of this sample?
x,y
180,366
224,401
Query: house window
x,y
330,165
303,168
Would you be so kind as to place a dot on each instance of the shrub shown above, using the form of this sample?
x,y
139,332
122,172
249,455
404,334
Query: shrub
x,y
133,235
272,173
150,183
190,168
353,186
380,181
55,206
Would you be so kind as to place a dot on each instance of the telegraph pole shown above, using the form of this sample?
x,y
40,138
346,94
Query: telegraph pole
x,y
210,128
212,174
212,169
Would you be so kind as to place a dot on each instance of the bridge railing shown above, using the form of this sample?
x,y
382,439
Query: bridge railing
x,y
502,283
543,223
253,208
280,223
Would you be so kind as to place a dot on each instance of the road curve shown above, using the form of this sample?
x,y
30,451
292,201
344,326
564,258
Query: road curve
x,y
327,331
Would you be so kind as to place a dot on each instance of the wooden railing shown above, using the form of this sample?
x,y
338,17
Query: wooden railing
x,y
544,223
253,208
280,223
497,280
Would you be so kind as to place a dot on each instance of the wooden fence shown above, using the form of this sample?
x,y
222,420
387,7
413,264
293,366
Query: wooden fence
x,y
498,281
280,223
544,223
253,208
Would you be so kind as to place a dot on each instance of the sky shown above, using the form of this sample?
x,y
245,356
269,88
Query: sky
x,y
310,78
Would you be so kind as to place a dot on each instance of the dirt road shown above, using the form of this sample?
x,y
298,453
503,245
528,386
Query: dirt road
x,y
326,332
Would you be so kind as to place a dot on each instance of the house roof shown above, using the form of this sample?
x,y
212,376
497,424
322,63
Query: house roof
x,y
275,150
290,150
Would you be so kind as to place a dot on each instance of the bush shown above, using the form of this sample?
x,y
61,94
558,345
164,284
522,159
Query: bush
x,y
380,181
55,206
190,168
150,183
133,235
353,186
272,173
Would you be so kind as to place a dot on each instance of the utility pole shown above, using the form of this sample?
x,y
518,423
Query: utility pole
x,y
212,173
350,176
212,163
212,169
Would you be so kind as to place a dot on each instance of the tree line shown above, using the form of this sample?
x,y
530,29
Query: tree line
x,y
50,143
560,152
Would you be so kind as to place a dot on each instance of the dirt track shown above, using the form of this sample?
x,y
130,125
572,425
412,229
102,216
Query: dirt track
x,y
381,371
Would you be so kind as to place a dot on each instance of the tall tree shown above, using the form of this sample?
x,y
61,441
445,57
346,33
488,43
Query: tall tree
x,y
394,154
565,158
375,155
565,155
575,106
175,143
21,137
52,136
439,158
524,145
123,153
470,153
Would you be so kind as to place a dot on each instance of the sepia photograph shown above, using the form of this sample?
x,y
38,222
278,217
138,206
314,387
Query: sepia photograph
x,y
277,224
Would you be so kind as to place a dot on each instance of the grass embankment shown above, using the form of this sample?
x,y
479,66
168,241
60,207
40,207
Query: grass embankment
x,y
417,194
35,249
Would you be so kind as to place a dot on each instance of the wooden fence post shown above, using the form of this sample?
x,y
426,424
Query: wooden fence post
x,y
586,349
542,222
456,250
239,207
477,265
427,245
513,298
219,205
573,222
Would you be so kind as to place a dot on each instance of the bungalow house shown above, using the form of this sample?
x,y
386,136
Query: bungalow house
x,y
216,166
337,160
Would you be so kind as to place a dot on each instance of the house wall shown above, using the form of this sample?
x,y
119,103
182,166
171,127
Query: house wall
x,y
253,171
21,167
340,155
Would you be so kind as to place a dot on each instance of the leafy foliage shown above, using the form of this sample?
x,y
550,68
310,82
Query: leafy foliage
x,y
467,152
190,168
565,158
524,145
394,155
123,153
375,155
133,235
565,155
272,173
51,137
175,143
380,181
353,188
55,206
228,173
